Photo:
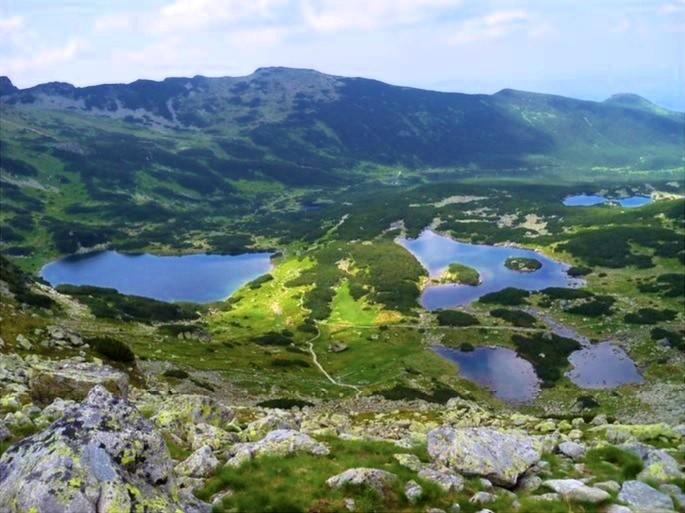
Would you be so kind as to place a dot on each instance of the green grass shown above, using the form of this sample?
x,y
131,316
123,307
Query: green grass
x,y
611,463
297,483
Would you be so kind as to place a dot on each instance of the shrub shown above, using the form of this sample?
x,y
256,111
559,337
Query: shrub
x,y
456,318
564,293
272,338
284,403
650,316
112,348
518,318
599,305
675,339
508,296
577,271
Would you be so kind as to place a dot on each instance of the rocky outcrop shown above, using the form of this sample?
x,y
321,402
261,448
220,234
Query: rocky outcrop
x,y
500,456
280,442
179,414
68,379
199,464
659,466
101,456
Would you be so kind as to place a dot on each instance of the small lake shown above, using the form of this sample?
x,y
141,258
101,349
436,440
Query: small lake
x,y
436,252
199,278
602,365
588,200
499,369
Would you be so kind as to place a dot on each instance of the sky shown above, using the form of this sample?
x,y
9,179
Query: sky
x,y
581,48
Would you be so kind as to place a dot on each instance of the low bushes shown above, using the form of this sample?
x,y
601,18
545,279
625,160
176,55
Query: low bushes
x,y
650,316
455,318
518,318
112,348
509,296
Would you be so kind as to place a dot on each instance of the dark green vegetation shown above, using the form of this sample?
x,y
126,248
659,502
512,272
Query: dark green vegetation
x,y
508,296
521,264
516,317
111,348
547,352
650,316
455,318
108,303
19,285
459,273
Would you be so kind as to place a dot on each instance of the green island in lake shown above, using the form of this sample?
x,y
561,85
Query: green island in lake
x,y
522,264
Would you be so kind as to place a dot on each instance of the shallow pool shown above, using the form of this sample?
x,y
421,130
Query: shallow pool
x,y
588,200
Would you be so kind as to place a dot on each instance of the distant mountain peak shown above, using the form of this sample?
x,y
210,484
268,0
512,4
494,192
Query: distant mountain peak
x,y
6,86
631,100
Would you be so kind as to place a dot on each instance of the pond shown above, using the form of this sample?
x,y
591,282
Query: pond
x,y
602,365
588,200
436,252
499,369
199,278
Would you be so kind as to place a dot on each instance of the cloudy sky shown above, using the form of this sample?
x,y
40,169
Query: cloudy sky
x,y
583,48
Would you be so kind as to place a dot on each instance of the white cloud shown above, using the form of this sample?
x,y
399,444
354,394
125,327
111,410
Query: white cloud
x,y
340,15
496,25
12,29
198,14
46,58
675,7
112,22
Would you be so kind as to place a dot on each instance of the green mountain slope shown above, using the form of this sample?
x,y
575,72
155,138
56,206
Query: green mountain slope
x,y
182,162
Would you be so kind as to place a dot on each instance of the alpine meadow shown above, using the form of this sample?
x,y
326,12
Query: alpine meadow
x,y
293,291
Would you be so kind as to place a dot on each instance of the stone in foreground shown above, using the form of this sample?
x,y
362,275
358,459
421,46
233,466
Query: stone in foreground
x,y
73,380
501,456
101,456
280,442
640,496
372,478
576,491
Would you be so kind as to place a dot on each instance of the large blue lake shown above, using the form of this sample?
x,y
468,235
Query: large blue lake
x,y
199,278
588,200
436,252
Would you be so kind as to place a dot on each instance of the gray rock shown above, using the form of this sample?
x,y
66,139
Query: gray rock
x,y
576,491
675,492
411,461
616,508
24,343
529,483
280,442
179,414
443,477
659,466
102,455
608,486
573,450
68,379
481,498
413,491
501,456
199,464
639,495
371,478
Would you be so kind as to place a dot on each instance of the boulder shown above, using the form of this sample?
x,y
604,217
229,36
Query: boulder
x,y
102,455
199,464
281,442
203,434
573,490
68,379
179,413
371,478
410,461
641,496
501,456
659,466
573,450
277,419
444,478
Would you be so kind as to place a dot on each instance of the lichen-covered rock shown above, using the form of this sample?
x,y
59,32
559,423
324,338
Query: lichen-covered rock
x,y
659,466
280,442
199,464
501,456
277,419
372,478
411,461
619,433
101,456
446,479
177,414
203,434
641,496
573,490
67,379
